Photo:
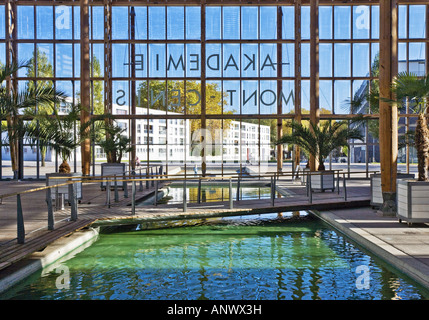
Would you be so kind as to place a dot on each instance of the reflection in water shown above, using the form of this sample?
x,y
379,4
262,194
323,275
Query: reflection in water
x,y
285,257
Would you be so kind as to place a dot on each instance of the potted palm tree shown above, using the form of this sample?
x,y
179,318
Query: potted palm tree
x,y
13,103
412,194
111,138
319,141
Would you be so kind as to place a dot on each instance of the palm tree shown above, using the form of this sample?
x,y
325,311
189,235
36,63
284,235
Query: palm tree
x,y
416,89
13,103
320,140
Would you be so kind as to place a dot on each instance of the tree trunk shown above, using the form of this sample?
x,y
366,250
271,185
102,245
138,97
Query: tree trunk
x,y
422,147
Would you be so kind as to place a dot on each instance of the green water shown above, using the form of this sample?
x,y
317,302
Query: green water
x,y
261,257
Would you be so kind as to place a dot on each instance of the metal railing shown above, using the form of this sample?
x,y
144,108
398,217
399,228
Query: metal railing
x,y
156,181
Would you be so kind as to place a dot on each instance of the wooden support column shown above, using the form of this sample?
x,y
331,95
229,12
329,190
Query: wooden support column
x,y
279,89
388,114
85,84
297,152
314,70
203,89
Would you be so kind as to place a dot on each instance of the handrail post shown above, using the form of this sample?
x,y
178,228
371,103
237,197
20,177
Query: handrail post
x,y
147,178
108,193
310,189
20,220
51,221
185,204
125,188
133,198
238,188
116,190
338,182
273,179
345,187
73,202
231,201
151,173
141,181
156,193
199,191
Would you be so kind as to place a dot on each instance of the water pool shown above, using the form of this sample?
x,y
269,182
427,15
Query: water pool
x,y
211,193
257,257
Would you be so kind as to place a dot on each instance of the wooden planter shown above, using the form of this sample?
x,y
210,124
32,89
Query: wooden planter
x,y
376,194
64,190
323,181
110,169
412,201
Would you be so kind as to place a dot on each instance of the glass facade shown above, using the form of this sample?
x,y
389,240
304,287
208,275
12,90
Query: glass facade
x,y
234,74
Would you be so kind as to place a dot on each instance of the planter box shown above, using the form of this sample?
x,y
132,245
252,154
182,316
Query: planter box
x,y
376,194
322,182
50,180
412,201
109,169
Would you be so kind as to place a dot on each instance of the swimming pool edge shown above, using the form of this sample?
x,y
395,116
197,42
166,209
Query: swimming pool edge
x,y
408,265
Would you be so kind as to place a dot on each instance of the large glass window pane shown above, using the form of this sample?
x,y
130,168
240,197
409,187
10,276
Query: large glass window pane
x,y
361,59
249,60
140,60
193,23
45,60
375,22
231,60
305,22
45,20
175,60
157,67
231,23
325,96
325,58
268,22
305,96
141,22
26,53
214,99
64,60
120,65
341,96
288,22
402,21
2,23
121,97
249,22
305,60
25,22
342,60
120,19
97,25
402,57
193,97
175,97
268,59
417,57
250,94
156,23
76,22
175,22
63,22
342,17
325,22
76,61
268,97
287,98
2,53
417,21
213,24
361,22
231,97
375,59
288,59
213,60
157,95
193,62
97,60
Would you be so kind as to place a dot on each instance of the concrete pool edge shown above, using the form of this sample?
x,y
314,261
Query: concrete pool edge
x,y
400,260
55,251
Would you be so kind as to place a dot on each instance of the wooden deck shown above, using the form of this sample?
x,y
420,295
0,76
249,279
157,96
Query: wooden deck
x,y
93,211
